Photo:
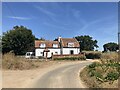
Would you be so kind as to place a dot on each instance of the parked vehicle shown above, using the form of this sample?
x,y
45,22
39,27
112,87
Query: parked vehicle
x,y
30,55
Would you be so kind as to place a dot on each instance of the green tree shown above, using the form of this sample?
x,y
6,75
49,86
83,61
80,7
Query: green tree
x,y
19,40
87,43
110,46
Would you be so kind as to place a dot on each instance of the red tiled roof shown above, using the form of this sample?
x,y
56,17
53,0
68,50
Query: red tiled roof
x,y
47,43
65,42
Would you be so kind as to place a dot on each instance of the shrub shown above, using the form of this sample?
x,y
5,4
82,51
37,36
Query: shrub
x,y
112,76
71,58
98,75
94,64
93,54
91,73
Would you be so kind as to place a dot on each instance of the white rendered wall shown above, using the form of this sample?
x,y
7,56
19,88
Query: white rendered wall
x,y
53,51
67,50
38,52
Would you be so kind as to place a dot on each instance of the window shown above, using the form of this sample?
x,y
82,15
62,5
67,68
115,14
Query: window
x,y
56,52
70,44
42,45
55,45
41,52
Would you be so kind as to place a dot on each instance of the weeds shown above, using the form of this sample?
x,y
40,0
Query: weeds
x,y
104,72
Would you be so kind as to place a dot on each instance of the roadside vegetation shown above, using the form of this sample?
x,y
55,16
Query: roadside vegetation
x,y
104,73
73,58
92,54
12,62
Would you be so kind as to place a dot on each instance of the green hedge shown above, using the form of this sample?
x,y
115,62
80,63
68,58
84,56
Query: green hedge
x,y
71,58
93,54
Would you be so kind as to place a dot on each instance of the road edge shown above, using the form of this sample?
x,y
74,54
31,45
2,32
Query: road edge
x,y
82,83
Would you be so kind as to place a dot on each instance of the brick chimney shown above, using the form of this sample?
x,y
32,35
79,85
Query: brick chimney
x,y
59,39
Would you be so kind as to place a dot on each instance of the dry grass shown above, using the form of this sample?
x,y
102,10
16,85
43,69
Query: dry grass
x,y
10,61
110,56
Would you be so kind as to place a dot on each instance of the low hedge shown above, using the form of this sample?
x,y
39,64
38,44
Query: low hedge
x,y
70,58
92,54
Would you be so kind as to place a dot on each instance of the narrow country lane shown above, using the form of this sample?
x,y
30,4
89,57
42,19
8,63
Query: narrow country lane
x,y
66,76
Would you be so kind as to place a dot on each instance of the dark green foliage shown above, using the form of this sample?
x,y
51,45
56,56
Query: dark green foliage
x,y
110,46
91,73
112,76
87,43
19,40
93,55
98,75
93,65
112,64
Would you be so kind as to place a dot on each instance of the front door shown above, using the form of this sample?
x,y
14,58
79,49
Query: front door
x,y
71,52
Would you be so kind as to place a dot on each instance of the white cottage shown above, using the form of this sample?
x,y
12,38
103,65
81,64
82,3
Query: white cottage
x,y
62,46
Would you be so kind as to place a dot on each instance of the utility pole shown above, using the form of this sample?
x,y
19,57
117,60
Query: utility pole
x,y
119,39
118,46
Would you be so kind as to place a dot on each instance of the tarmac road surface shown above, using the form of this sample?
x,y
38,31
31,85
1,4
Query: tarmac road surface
x,y
66,76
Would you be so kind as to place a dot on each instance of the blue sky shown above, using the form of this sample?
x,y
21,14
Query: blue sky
x,y
68,19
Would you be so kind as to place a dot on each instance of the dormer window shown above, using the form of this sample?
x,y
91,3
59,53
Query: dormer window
x,y
55,45
70,44
42,45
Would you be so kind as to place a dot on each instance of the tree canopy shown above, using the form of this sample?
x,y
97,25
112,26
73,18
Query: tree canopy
x,y
87,43
110,47
19,40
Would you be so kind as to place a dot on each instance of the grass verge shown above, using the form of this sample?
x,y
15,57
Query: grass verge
x,y
102,74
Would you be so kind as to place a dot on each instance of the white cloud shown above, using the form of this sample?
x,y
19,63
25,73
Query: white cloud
x,y
19,18
50,14
45,11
